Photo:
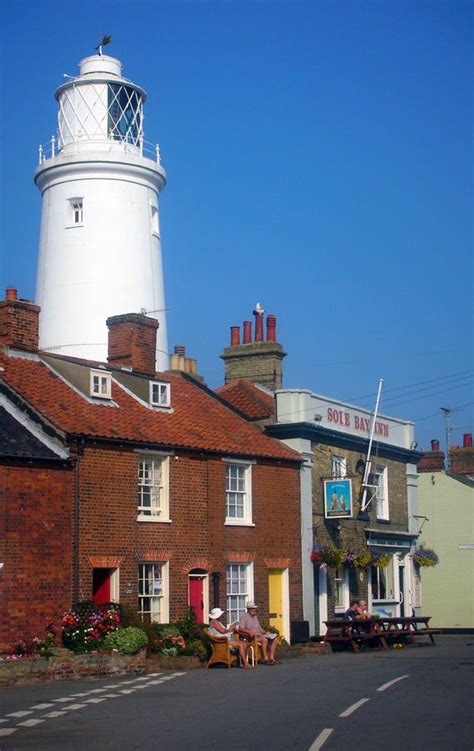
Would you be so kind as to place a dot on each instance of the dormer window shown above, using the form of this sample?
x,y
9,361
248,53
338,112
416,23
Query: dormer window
x,y
160,394
101,384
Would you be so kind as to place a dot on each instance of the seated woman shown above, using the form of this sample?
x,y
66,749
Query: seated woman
x,y
217,629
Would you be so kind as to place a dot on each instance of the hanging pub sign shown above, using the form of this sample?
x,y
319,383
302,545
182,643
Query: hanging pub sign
x,y
337,499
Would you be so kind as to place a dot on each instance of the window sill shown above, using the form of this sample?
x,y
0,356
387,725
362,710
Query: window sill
x,y
153,520
382,521
73,226
238,523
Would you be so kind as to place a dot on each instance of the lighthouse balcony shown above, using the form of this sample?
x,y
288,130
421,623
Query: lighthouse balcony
x,y
100,144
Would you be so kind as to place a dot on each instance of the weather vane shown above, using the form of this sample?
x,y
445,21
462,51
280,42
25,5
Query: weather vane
x,y
106,39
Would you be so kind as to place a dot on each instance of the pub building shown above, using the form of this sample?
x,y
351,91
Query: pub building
x,y
347,552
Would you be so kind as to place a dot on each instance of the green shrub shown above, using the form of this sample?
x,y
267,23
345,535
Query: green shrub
x,y
127,641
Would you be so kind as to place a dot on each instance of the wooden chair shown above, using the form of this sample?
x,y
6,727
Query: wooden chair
x,y
254,649
221,651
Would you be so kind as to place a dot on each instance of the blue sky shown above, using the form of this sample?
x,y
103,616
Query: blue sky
x,y
319,161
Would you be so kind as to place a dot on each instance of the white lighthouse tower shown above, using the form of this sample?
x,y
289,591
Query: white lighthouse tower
x,y
100,249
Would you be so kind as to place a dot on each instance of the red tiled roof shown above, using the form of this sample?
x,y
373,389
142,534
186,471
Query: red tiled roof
x,y
198,421
254,403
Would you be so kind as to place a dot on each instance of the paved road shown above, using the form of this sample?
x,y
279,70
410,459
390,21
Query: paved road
x,y
401,699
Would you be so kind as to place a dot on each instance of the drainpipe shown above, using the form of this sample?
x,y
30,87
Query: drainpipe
x,y
215,587
75,579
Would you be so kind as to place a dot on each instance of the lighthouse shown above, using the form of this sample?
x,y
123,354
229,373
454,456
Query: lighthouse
x,y
100,244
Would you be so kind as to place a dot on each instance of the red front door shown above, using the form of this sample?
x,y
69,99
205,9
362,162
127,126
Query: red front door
x,y
196,596
101,585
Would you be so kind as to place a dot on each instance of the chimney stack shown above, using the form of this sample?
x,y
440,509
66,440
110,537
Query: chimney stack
x,y
132,342
258,361
179,361
19,322
432,461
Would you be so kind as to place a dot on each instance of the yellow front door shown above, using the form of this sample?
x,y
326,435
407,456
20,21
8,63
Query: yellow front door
x,y
275,599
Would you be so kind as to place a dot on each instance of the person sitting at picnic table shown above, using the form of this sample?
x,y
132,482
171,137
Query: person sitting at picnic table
x,y
216,628
250,625
353,611
362,609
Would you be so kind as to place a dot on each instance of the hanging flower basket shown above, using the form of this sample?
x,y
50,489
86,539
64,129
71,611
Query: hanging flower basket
x,y
350,555
327,554
425,557
362,558
380,559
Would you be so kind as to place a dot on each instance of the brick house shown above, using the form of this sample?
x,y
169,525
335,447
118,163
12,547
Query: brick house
x,y
175,499
333,438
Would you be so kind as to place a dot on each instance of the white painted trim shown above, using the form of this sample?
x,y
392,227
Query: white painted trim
x,y
285,593
323,597
115,585
33,427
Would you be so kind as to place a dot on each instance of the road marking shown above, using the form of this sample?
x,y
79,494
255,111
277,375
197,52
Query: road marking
x,y
22,713
153,675
42,706
322,737
97,691
94,700
65,698
390,683
7,731
76,706
353,708
54,714
30,723
155,683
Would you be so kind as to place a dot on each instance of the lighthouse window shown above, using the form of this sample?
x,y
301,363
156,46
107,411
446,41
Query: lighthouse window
x,y
155,227
124,113
76,212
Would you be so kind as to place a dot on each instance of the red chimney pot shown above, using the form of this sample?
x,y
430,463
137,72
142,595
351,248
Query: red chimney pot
x,y
234,336
467,440
11,293
434,445
271,328
247,332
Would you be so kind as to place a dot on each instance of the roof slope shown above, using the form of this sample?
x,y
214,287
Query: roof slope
x,y
16,441
251,401
198,420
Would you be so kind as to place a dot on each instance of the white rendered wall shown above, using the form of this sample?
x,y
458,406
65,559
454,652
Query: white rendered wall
x,y
108,266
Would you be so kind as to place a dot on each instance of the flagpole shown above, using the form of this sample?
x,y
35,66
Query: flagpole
x,y
371,437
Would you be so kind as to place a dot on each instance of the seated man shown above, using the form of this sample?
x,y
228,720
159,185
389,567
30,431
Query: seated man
x,y
353,612
250,625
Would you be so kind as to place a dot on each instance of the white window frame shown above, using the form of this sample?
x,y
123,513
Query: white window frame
x,y
239,589
238,492
341,589
76,212
155,588
338,467
153,482
100,384
381,493
160,394
385,574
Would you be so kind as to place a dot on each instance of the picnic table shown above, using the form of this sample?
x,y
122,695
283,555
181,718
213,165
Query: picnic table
x,y
377,632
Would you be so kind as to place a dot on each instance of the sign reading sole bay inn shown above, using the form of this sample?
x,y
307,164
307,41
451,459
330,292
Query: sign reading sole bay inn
x,y
304,406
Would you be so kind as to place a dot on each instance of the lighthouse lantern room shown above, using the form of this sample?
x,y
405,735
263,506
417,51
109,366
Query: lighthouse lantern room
x,y
100,246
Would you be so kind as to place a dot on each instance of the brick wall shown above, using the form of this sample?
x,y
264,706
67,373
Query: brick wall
x,y
196,536
258,362
35,545
351,533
